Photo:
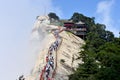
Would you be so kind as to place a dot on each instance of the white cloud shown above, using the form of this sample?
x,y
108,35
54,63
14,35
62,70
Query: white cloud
x,y
104,9
17,18
46,6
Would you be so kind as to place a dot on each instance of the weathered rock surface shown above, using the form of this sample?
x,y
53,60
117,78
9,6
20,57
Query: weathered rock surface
x,y
68,50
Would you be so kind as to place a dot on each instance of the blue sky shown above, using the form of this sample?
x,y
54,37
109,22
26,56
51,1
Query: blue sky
x,y
104,11
68,7
17,18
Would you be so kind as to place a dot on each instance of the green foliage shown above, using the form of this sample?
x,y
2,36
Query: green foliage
x,y
117,41
101,55
53,15
80,17
109,58
21,77
85,71
62,61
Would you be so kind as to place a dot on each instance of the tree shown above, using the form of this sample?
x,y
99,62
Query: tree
x,y
109,59
101,55
85,71
53,15
21,77
109,36
75,17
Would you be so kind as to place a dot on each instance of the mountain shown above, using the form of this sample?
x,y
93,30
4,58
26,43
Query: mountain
x,y
65,56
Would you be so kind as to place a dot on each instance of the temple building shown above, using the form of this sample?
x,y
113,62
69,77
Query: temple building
x,y
78,29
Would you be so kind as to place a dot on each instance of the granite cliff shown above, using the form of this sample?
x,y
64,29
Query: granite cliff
x,y
65,56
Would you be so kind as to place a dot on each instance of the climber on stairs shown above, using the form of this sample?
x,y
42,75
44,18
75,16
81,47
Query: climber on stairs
x,y
47,70
51,63
46,58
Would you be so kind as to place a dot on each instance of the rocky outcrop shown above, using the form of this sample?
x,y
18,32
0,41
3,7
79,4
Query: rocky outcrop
x,y
66,53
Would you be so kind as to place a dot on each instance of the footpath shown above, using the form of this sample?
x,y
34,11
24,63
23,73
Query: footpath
x,y
49,70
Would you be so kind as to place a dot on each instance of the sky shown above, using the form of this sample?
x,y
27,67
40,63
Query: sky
x,y
17,18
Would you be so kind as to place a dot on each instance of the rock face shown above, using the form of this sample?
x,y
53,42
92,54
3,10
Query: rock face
x,y
65,55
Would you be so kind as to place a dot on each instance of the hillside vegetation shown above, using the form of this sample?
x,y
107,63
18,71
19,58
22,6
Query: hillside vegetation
x,y
101,55
97,57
